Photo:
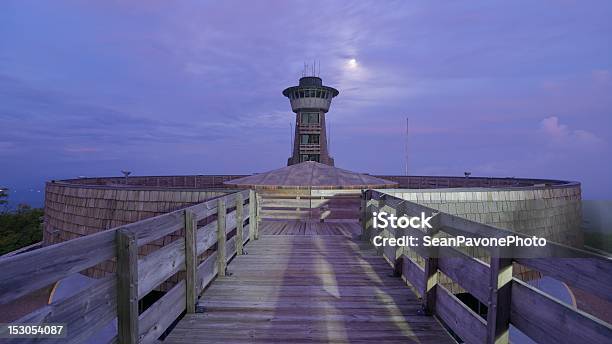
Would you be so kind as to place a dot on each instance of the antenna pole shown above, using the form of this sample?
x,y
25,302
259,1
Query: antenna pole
x,y
329,139
406,148
291,135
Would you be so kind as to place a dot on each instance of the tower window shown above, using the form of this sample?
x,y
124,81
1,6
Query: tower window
x,y
309,157
310,118
318,93
301,93
309,139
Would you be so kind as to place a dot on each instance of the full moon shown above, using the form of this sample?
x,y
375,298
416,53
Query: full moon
x,y
352,63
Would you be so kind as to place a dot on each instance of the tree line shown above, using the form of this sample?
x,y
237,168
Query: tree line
x,y
18,228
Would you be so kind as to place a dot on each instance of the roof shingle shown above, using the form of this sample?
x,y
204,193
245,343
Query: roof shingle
x,y
310,174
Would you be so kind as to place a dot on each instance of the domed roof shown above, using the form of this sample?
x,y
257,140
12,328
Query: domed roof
x,y
310,175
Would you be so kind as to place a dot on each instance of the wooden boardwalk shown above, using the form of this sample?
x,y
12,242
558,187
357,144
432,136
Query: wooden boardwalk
x,y
347,228
309,283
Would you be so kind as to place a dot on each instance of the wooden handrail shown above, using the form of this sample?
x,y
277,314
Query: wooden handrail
x,y
90,310
509,300
308,204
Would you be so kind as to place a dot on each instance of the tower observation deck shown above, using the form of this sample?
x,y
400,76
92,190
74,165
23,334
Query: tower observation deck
x,y
310,101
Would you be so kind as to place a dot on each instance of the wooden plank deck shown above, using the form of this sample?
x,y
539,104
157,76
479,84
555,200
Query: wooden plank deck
x,y
309,283
349,228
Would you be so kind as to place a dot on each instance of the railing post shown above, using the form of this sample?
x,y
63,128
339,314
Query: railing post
x,y
364,214
431,282
252,214
191,263
431,270
257,218
378,206
398,260
239,224
500,293
127,287
221,259
368,230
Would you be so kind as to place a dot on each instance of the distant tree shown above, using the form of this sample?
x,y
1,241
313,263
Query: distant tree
x,y
3,199
23,207
19,228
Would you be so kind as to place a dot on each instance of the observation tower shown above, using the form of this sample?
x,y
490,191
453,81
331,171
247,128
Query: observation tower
x,y
310,101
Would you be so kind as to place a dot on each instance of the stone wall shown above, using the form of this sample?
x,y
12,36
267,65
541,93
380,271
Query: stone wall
x,y
550,211
164,182
437,182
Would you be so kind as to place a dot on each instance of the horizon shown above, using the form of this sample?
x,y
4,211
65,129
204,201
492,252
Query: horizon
x,y
192,88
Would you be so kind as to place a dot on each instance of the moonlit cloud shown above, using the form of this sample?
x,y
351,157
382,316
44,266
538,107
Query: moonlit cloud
x,y
602,75
551,126
560,133
81,150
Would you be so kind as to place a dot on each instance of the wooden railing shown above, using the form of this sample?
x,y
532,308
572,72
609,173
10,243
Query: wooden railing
x,y
202,255
308,204
509,300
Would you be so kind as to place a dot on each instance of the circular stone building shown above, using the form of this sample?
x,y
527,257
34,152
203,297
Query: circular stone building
x,y
78,207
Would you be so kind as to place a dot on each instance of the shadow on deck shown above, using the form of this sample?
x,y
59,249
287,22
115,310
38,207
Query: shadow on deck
x,y
309,282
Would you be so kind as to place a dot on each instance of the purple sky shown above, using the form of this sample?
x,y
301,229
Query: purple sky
x,y
521,88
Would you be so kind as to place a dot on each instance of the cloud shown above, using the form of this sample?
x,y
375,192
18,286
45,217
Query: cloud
x,y
6,146
551,127
270,119
82,149
31,114
601,75
562,134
